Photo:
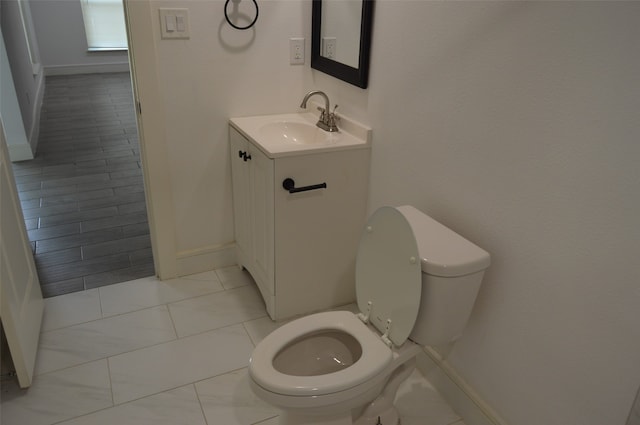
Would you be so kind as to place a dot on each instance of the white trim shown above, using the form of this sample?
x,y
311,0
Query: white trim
x,y
34,131
464,400
30,36
10,113
107,49
205,259
151,117
19,152
86,69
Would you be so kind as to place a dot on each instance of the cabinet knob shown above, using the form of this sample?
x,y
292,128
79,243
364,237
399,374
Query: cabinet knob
x,y
243,154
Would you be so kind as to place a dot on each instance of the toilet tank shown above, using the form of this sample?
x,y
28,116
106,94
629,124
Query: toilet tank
x,y
452,270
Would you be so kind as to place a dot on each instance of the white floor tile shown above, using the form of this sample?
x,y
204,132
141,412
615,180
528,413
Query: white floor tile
x,y
179,406
204,276
420,404
353,307
228,399
148,292
71,309
155,378
217,310
234,276
58,396
272,421
260,328
99,339
154,369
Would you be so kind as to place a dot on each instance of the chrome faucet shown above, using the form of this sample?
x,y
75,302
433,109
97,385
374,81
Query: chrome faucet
x,y
328,120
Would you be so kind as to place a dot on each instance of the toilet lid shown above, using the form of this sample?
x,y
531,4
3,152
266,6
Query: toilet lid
x,y
389,274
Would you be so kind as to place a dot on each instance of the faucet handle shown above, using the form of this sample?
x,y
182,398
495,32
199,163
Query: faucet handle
x,y
332,120
323,113
333,117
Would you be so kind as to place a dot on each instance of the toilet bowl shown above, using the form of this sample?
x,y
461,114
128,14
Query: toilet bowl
x,y
341,368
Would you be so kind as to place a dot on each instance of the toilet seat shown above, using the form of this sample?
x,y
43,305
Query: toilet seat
x,y
388,289
389,275
375,356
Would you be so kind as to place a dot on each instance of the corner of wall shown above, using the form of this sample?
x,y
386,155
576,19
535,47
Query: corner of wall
x,y
34,131
634,414
205,259
464,400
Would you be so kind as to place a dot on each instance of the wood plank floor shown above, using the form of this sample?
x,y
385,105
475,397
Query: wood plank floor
x,y
83,196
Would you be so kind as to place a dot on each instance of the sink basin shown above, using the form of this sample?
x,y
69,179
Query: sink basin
x,y
296,132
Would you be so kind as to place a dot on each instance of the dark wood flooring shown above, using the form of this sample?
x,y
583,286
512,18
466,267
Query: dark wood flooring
x,y
83,196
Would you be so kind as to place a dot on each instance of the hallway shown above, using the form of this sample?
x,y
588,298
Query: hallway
x,y
83,195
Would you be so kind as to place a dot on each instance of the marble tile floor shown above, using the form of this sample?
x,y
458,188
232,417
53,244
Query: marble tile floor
x,y
82,195
174,352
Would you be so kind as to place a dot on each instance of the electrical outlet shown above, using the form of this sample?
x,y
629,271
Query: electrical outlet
x,y
296,51
329,47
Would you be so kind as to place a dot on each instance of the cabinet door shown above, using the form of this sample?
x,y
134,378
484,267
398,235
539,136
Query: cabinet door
x,y
241,196
318,230
262,233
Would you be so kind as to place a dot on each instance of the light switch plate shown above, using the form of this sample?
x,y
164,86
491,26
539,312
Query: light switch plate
x,y
174,24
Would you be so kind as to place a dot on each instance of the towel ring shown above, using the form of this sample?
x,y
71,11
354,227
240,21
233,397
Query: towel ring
x,y
226,15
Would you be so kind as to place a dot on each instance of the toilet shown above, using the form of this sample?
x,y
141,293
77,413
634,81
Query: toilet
x,y
416,283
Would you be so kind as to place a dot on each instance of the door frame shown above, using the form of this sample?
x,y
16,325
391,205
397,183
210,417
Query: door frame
x,y
142,28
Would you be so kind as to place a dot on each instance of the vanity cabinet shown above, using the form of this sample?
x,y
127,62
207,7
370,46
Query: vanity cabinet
x,y
253,185
300,248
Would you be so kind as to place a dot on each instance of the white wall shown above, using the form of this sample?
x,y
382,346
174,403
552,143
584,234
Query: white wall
x,y
63,45
514,123
341,20
218,73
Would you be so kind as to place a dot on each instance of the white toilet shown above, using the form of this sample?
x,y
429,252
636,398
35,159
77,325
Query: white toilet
x,y
416,282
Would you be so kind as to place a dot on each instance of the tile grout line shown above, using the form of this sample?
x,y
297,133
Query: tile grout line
x,y
204,415
101,318
99,297
179,386
113,403
173,323
248,334
263,421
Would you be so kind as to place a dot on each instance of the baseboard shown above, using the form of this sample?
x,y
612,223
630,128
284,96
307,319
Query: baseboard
x,y
86,69
462,398
19,152
205,259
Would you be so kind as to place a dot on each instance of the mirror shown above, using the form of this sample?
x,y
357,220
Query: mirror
x,y
341,39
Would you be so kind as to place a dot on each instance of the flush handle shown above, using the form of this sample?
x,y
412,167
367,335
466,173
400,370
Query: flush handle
x,y
290,185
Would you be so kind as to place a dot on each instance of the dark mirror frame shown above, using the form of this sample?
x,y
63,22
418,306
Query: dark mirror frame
x,y
357,76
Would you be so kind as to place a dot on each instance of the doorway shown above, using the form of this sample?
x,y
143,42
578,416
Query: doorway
x,y
83,194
